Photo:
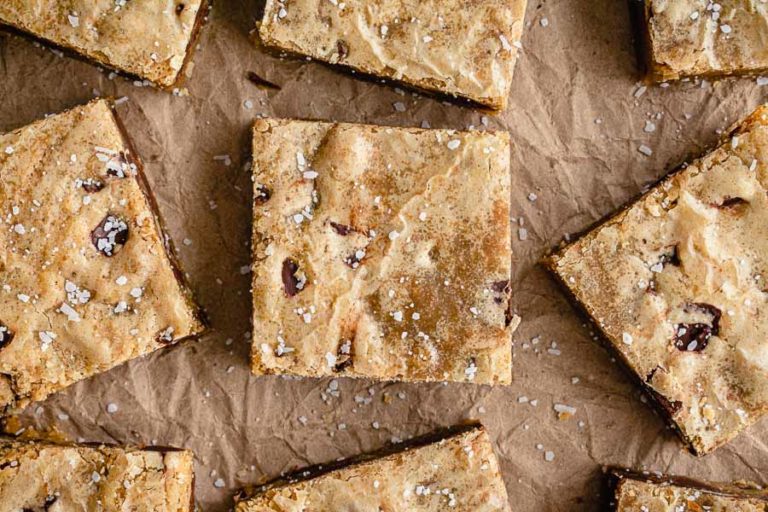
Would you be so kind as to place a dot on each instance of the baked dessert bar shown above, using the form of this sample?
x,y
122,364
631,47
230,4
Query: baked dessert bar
x,y
381,252
444,46
676,282
46,476
148,39
634,492
686,38
86,279
459,473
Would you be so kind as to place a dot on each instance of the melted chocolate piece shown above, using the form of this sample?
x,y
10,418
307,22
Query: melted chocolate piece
x,y
671,407
110,235
695,337
342,49
6,335
263,194
341,229
92,185
180,9
165,336
291,283
732,202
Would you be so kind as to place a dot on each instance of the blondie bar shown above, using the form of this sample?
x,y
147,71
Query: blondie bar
x,y
685,38
47,476
381,252
635,492
87,280
148,39
677,284
447,46
458,473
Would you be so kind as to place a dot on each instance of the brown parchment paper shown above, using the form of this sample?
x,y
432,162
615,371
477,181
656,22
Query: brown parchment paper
x,y
577,116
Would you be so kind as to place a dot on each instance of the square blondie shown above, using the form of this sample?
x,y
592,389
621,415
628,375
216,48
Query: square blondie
x,y
643,492
677,284
458,473
87,276
381,252
48,476
689,38
444,46
148,39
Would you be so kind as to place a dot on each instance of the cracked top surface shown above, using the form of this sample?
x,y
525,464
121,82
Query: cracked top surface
x,y
146,38
457,47
44,476
685,272
633,495
460,473
695,38
85,282
381,252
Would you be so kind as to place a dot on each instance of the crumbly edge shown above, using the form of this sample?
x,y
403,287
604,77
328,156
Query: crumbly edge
x,y
658,72
430,88
256,367
660,402
616,477
164,450
360,461
174,81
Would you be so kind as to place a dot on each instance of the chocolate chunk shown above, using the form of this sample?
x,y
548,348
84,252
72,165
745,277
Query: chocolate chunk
x,y
261,83
341,228
120,166
292,283
6,335
502,288
343,356
694,337
732,202
342,49
671,407
110,235
180,8
262,195
92,185
165,336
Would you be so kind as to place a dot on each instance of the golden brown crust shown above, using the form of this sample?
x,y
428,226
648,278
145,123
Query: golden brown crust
x,y
682,317
146,39
635,492
458,48
85,280
689,38
381,252
458,473
48,476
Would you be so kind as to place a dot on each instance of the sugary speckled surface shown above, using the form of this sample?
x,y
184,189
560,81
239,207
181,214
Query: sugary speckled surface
x,y
636,495
684,272
85,282
457,47
146,38
50,477
702,38
459,473
381,252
